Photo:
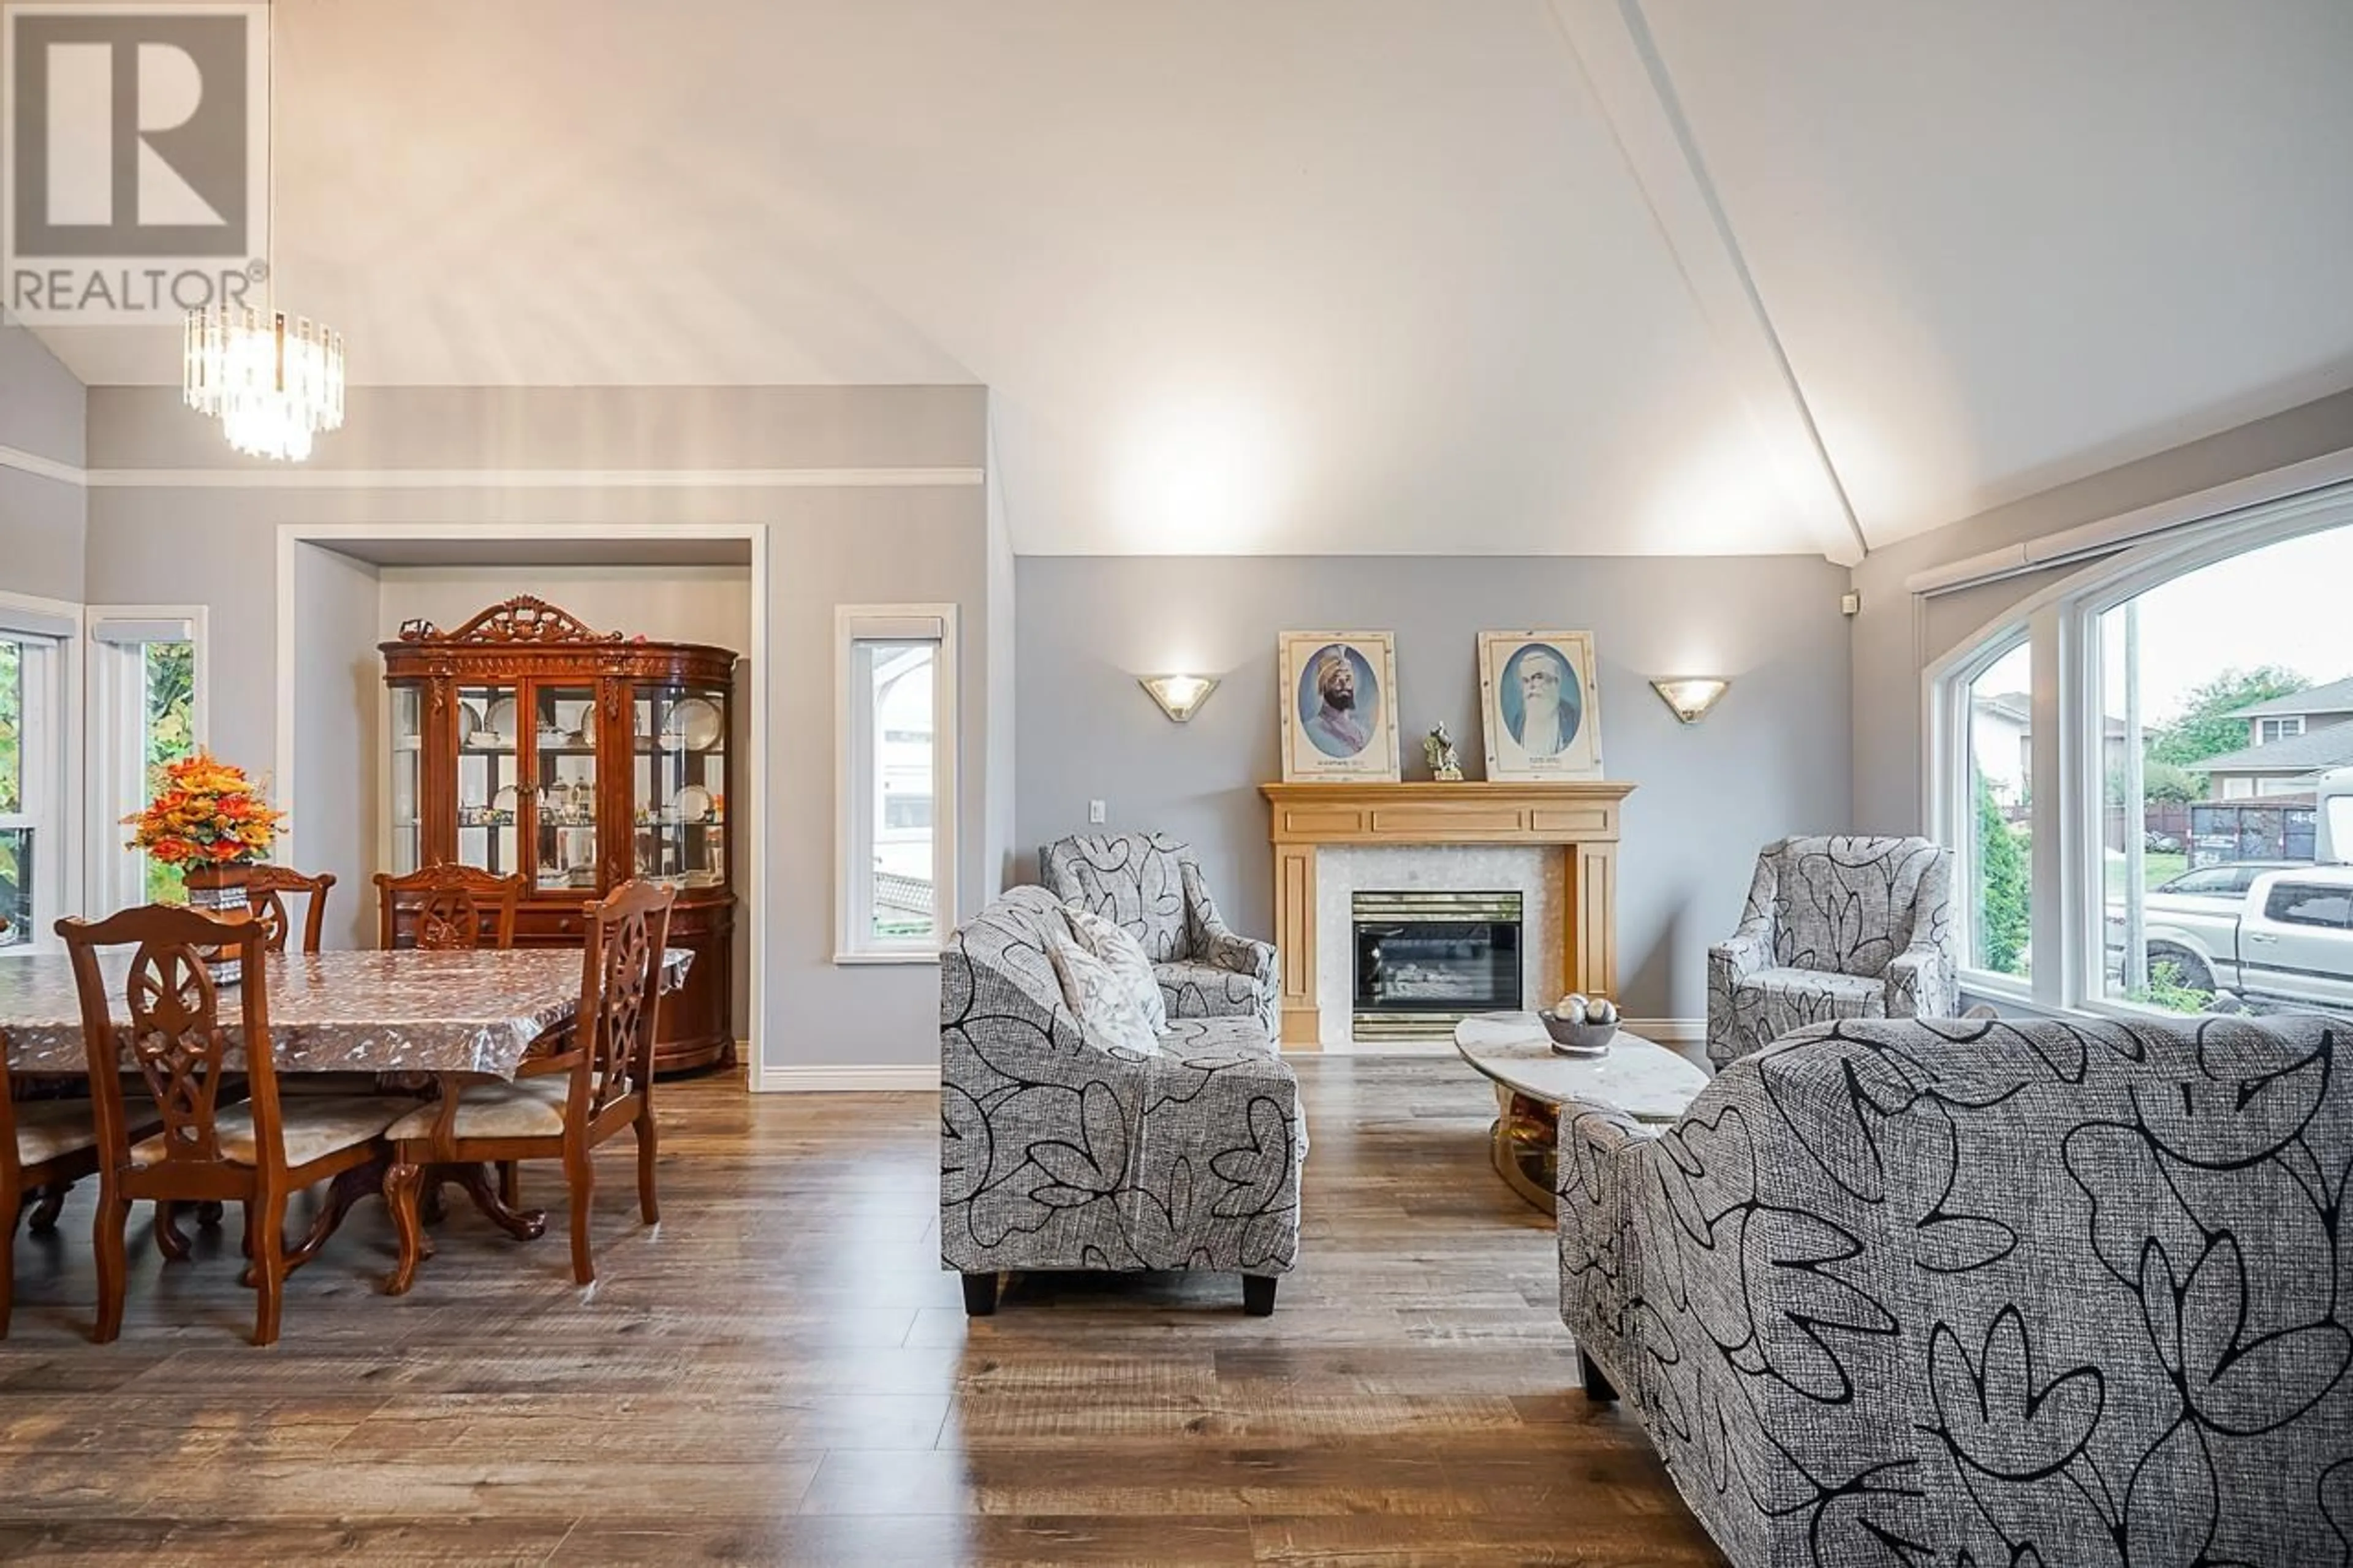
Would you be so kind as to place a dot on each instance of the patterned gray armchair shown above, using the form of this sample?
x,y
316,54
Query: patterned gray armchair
x,y
1057,1152
1835,928
1977,1292
1151,884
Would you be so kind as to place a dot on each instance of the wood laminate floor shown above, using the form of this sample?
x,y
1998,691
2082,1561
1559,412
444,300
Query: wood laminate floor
x,y
781,1373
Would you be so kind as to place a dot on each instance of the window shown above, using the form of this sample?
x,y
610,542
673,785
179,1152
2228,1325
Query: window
x,y
898,758
2301,904
36,746
1998,847
2269,730
2181,661
2226,881
20,838
146,711
2164,795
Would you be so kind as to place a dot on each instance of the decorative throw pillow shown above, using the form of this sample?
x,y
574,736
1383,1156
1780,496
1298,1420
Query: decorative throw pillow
x,y
1098,1000
1116,946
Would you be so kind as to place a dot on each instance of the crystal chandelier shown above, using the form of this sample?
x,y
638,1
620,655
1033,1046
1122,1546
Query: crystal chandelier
x,y
273,381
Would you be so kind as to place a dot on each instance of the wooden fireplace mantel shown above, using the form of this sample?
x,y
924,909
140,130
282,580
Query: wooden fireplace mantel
x,y
1580,818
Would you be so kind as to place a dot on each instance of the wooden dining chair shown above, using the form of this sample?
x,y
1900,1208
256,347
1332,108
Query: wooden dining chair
x,y
266,889
599,1081
448,908
182,1034
45,1146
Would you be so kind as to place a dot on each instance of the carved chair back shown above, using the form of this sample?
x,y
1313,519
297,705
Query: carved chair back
x,y
447,909
265,887
620,991
183,1037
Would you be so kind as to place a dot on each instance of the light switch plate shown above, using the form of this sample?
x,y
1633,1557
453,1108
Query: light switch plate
x,y
1095,812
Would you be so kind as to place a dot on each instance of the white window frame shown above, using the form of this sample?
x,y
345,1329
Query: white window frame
x,y
117,637
53,733
854,943
2063,624
1950,705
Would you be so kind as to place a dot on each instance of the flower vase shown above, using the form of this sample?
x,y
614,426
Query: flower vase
x,y
222,890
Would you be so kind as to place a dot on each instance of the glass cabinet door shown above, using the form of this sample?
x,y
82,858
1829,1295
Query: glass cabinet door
x,y
680,761
408,779
564,739
490,777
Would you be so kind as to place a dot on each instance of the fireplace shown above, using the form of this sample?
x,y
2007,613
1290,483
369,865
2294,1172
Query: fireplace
x,y
1425,961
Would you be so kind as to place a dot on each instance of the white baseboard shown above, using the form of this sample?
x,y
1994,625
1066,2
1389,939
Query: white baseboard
x,y
793,1078
1670,1031
1380,1049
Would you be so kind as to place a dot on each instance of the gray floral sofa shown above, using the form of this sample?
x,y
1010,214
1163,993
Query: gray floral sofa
x,y
1987,1293
1057,1152
1151,884
1835,928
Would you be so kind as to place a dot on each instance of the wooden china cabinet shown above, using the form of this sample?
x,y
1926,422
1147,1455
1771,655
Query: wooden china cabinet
x,y
525,742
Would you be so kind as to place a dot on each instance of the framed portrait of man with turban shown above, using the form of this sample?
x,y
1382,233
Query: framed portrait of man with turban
x,y
1542,709
1339,705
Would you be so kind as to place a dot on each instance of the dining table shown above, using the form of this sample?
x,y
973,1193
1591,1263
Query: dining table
x,y
433,1019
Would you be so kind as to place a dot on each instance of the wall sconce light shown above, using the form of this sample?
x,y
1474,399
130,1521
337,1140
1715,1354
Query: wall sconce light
x,y
1179,696
1691,696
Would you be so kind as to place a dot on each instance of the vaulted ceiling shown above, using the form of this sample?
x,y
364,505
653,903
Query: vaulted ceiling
x,y
1322,275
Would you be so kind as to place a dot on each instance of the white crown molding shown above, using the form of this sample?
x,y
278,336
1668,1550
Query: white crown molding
x,y
298,478
793,1079
1612,47
33,463
532,479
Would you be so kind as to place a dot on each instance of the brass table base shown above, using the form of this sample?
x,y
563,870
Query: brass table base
x,y
1524,1143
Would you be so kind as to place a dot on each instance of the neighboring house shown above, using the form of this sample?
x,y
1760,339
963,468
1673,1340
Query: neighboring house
x,y
2001,735
2291,741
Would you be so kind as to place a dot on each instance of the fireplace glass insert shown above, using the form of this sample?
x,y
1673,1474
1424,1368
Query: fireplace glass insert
x,y
1425,961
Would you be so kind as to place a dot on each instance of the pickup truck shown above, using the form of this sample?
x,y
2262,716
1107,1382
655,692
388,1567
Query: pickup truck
x,y
2288,938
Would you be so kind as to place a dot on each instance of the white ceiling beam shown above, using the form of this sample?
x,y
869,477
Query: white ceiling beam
x,y
1611,44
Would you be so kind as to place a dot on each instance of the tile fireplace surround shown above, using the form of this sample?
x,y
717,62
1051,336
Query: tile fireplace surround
x,y
1557,844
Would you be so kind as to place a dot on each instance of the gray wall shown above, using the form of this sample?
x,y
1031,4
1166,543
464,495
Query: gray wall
x,y
1771,759
826,546
338,736
1898,636
41,412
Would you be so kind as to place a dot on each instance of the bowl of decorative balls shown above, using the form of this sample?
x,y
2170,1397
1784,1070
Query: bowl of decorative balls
x,y
1581,1025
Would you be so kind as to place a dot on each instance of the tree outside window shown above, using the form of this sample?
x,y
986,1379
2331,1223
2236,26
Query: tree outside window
x,y
168,671
16,843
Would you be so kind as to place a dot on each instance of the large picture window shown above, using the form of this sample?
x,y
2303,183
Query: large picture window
x,y
2227,693
898,782
1998,849
2201,740
146,711
37,746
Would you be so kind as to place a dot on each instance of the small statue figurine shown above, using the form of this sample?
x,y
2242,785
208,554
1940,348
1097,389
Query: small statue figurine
x,y
1445,766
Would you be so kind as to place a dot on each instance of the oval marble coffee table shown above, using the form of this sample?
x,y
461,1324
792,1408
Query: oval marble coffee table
x,y
1638,1077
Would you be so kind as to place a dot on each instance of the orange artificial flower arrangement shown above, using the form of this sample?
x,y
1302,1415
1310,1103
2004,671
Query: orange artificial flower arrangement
x,y
205,812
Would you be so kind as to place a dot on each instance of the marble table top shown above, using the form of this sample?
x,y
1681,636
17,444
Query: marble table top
x,y
340,1012
1638,1077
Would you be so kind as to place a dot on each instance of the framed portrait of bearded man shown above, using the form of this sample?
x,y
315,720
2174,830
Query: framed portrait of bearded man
x,y
1542,708
1339,706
